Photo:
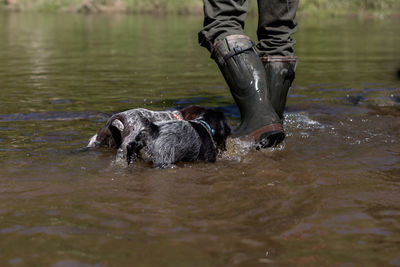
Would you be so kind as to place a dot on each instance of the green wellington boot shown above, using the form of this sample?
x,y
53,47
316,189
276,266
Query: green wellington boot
x,y
280,73
245,75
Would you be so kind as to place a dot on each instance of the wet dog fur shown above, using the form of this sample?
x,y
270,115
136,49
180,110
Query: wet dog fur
x,y
168,142
122,128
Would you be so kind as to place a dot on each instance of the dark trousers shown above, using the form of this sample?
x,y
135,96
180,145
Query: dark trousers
x,y
276,23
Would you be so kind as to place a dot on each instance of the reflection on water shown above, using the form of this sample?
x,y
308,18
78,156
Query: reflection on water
x,y
327,196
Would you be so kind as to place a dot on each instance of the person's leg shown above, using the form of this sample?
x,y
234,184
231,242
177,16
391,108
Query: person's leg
x,y
222,18
242,69
277,22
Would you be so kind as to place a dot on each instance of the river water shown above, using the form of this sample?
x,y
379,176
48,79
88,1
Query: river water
x,y
329,196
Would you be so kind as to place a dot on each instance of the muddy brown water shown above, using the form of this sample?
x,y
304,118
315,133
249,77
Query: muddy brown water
x,y
329,196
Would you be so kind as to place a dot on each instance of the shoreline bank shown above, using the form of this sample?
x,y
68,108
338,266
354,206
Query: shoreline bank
x,y
318,8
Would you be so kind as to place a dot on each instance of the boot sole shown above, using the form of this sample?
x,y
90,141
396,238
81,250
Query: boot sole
x,y
268,136
270,139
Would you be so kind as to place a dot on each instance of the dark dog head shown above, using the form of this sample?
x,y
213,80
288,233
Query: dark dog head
x,y
191,112
217,120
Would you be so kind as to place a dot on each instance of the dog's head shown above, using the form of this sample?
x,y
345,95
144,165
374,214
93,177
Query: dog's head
x,y
191,112
111,134
217,120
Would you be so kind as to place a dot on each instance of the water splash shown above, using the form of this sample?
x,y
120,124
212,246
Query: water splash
x,y
302,121
236,149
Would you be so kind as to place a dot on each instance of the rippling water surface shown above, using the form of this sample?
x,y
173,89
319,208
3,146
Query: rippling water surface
x,y
328,196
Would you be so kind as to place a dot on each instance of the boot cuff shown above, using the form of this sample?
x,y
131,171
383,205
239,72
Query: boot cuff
x,y
230,46
279,59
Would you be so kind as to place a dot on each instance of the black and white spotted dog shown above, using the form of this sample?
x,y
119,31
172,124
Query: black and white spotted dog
x,y
122,128
168,142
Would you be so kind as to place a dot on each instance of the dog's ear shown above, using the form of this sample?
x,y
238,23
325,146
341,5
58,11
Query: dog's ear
x,y
224,130
227,128
118,124
192,112
116,128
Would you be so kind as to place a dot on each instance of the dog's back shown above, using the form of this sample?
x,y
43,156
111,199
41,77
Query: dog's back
x,y
168,142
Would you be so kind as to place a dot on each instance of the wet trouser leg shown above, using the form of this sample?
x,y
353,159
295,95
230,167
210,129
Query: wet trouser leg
x,y
222,18
276,23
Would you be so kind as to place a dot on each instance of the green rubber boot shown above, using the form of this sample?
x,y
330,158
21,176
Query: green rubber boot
x,y
280,71
245,75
